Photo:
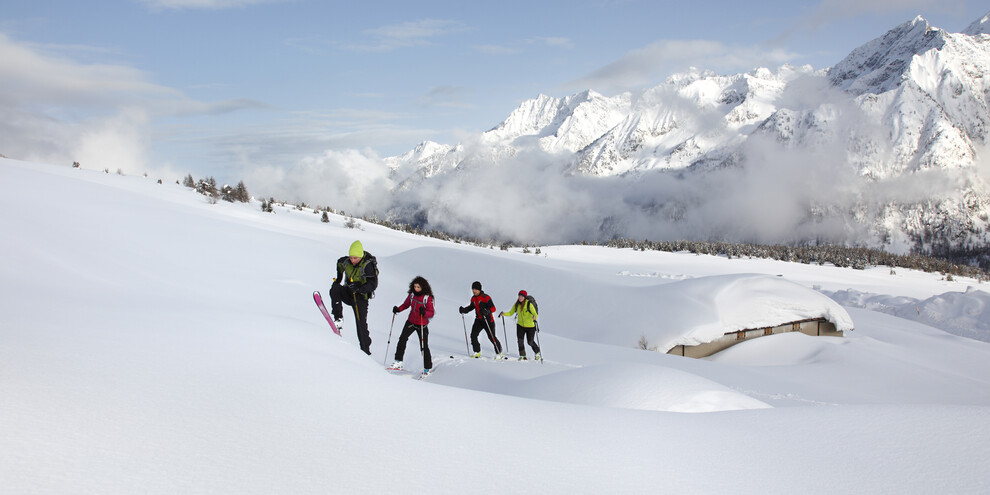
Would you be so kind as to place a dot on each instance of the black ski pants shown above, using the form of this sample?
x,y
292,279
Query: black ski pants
x,y
407,331
487,326
530,335
340,295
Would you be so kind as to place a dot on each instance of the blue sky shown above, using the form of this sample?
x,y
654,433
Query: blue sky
x,y
223,87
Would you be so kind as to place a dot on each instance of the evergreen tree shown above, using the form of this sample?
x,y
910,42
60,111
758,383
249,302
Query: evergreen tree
x,y
241,193
208,188
227,193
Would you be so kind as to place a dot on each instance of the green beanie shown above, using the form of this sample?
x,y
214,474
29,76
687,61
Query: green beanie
x,y
357,250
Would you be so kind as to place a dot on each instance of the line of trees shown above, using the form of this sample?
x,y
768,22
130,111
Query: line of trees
x,y
208,187
855,257
858,258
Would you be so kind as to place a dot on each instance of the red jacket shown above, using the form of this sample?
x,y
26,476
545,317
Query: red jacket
x,y
483,302
416,302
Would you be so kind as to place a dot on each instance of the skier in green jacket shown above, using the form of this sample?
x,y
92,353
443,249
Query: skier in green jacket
x,y
354,285
525,324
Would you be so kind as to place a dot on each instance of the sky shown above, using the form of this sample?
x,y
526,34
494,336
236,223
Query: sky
x,y
223,87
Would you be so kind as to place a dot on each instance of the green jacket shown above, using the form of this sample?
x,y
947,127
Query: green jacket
x,y
527,314
361,278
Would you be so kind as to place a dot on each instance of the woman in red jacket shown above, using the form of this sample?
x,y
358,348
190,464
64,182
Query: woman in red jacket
x,y
420,302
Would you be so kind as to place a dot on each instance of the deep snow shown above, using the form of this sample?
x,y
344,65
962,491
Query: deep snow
x,y
152,342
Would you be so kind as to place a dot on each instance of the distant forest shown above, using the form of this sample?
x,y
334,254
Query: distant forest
x,y
972,263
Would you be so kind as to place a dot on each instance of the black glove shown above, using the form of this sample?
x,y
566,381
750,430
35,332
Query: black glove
x,y
422,312
487,313
353,286
465,309
395,309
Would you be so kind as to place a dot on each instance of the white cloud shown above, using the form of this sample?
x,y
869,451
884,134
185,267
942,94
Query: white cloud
x,y
313,45
350,180
118,142
446,96
283,144
519,46
426,28
58,110
407,34
189,107
555,41
204,4
496,50
28,76
650,64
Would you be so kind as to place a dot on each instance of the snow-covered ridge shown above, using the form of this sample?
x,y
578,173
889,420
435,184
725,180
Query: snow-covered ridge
x,y
560,124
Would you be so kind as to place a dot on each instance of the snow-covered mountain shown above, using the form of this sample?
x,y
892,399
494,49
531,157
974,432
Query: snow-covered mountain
x,y
886,148
693,118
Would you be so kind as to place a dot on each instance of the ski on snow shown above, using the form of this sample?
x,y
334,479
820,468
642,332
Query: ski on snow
x,y
323,309
403,371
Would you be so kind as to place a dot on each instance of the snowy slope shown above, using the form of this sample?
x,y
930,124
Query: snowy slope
x,y
155,343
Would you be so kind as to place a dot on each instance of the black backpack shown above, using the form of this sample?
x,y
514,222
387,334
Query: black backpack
x,y
374,262
532,300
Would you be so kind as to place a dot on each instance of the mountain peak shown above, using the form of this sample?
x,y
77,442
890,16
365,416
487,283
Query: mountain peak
x,y
981,26
879,65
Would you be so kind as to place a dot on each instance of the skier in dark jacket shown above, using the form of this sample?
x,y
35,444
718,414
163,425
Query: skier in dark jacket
x,y
354,285
420,304
483,308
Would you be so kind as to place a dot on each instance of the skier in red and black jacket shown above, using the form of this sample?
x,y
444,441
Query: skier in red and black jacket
x,y
420,302
483,308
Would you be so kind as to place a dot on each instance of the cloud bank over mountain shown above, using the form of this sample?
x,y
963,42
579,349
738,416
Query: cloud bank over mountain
x,y
886,149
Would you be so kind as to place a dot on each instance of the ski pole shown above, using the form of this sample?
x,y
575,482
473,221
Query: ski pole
x,y
504,335
422,332
538,340
466,346
503,329
384,363
492,336
422,348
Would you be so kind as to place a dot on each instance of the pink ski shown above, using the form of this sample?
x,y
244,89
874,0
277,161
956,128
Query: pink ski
x,y
323,309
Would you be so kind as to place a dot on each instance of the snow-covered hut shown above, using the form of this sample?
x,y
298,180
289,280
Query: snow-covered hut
x,y
728,309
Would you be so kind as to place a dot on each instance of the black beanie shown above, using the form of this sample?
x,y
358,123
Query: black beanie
x,y
476,285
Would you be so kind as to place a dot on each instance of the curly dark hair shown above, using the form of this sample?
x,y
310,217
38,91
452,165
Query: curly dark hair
x,y
423,284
